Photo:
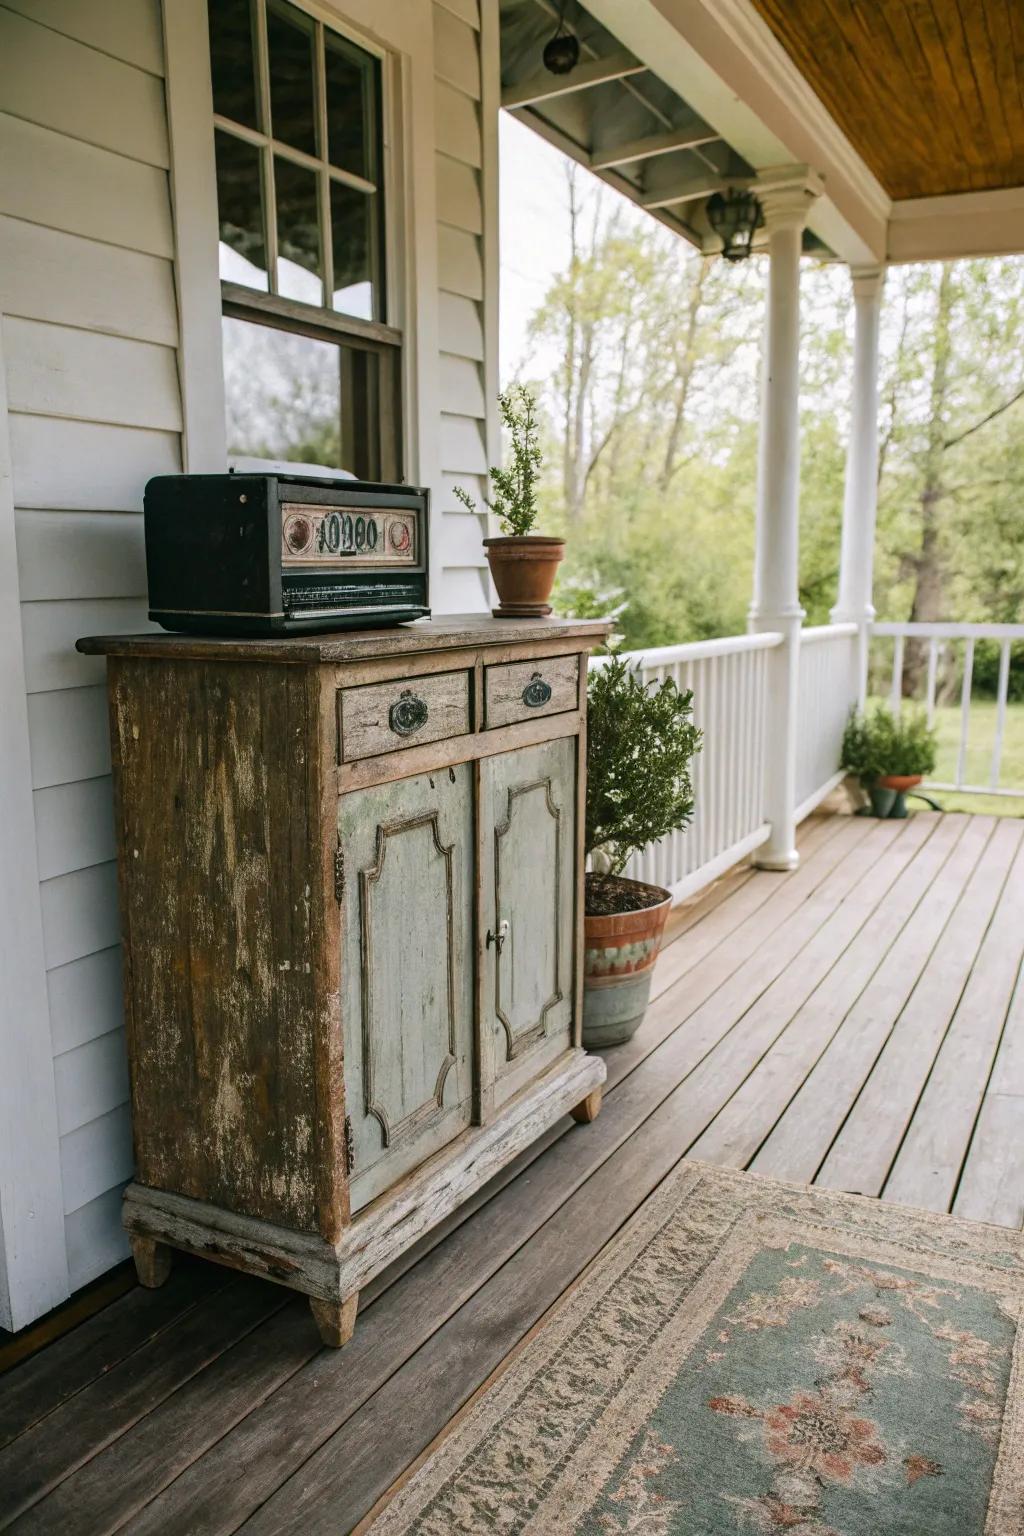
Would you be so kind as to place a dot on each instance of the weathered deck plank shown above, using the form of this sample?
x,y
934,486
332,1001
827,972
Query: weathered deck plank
x,y
800,1140
927,1168
870,1003
870,1139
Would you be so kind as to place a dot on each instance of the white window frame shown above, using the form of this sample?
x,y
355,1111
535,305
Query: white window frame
x,y
402,36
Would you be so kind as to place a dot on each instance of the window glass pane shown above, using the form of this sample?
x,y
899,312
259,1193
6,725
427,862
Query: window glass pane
x,y
351,78
231,61
243,250
353,234
283,395
290,44
298,233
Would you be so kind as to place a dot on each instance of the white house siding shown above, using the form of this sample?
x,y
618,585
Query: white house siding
x,y
89,331
465,57
90,360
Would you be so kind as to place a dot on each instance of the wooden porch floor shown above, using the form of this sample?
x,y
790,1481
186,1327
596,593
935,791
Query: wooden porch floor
x,y
857,1024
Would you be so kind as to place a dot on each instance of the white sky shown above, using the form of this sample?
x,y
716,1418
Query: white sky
x,y
534,238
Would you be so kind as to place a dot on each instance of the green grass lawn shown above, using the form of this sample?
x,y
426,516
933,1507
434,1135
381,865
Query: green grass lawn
x,y
979,757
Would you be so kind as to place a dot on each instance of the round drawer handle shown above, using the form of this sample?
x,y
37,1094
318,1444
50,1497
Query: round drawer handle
x,y
537,692
408,713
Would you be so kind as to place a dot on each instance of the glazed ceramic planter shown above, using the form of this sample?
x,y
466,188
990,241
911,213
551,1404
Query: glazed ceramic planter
x,y
619,951
524,570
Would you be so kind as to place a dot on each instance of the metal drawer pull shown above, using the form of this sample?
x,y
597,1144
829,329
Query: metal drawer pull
x,y
408,713
498,939
537,692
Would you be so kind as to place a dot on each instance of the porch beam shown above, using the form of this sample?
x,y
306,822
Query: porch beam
x,y
786,195
545,86
860,497
652,145
692,190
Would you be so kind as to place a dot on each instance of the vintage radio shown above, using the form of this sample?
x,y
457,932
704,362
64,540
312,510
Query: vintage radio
x,y
246,554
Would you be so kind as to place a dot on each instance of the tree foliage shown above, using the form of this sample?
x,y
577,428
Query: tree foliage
x,y
640,742
650,421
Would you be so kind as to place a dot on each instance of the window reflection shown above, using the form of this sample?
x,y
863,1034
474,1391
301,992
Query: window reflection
x,y
351,108
232,61
353,237
283,395
290,45
298,233
243,250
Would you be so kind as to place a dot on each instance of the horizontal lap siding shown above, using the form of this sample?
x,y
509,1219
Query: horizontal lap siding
x,y
461,321
89,319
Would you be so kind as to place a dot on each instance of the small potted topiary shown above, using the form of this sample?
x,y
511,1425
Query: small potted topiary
x,y
523,563
640,742
889,754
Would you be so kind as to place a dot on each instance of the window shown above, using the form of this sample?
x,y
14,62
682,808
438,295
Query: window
x,y
311,367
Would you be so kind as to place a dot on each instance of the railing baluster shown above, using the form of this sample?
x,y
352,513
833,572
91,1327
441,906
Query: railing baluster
x,y
896,691
1001,692
965,712
933,664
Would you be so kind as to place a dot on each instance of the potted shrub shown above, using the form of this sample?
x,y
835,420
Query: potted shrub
x,y
523,563
889,754
640,741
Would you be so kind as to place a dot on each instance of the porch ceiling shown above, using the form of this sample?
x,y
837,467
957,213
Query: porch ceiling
x,y
615,116
930,93
911,112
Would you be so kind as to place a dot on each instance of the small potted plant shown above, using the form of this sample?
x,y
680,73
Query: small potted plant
x,y
889,754
523,563
640,742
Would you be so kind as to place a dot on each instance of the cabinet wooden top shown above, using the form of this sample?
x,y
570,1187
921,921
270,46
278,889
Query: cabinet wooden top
x,y
453,632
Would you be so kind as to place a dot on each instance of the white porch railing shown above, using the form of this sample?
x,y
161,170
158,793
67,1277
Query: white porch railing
x,y
729,678
956,644
828,687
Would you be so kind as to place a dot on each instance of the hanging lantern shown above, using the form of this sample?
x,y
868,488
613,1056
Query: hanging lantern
x,y
561,52
734,216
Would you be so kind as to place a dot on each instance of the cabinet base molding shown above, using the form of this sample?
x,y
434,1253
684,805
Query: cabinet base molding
x,y
332,1275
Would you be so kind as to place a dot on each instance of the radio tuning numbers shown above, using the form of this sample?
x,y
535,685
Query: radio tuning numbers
x,y
341,533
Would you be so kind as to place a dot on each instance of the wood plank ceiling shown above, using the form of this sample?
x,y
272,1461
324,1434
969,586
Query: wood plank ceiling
x,y
929,92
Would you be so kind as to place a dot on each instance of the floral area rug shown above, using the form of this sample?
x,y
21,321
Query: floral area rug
x,y
748,1356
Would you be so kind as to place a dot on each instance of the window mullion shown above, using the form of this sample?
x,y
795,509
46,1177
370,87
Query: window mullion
x,y
269,192
323,182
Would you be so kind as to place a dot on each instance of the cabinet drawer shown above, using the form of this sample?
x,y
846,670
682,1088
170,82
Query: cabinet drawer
x,y
523,689
384,717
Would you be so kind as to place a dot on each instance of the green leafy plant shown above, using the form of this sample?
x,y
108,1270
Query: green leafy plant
x,y
515,488
879,743
640,742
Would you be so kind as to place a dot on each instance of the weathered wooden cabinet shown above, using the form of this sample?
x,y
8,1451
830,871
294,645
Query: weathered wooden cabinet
x,y
351,886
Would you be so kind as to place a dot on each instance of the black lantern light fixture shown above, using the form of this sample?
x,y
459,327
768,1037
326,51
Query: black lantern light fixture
x,y
561,52
734,216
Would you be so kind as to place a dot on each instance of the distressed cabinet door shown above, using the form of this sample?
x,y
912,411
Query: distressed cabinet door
x,y
406,966
527,915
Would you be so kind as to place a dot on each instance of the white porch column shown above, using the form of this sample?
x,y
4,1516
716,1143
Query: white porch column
x,y
860,498
786,196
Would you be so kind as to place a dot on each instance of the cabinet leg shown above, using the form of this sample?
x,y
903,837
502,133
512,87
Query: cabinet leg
x,y
336,1320
589,1108
152,1260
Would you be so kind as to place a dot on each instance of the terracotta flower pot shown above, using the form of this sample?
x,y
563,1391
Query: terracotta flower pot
x,y
899,781
524,569
619,951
